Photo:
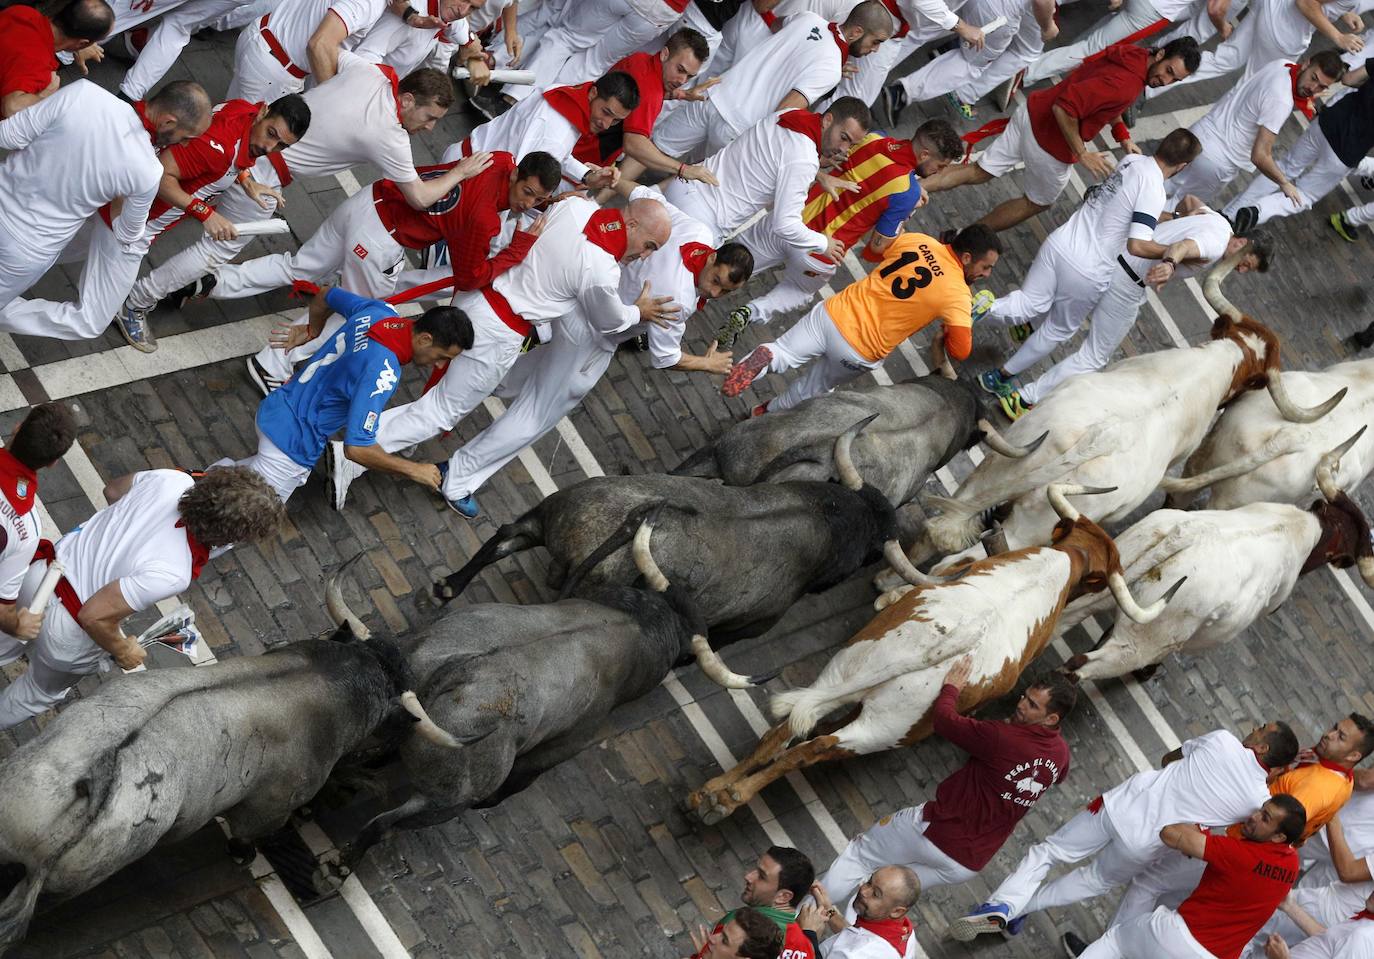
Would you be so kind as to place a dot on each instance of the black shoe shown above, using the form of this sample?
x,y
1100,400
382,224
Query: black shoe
x,y
892,102
195,290
1365,338
1074,946
1247,218
635,344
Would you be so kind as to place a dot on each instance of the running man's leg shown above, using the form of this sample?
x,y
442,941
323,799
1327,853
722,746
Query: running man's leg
x,y
107,276
1112,319
1076,840
1075,297
58,658
1135,15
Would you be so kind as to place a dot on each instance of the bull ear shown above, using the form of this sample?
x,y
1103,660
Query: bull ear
x,y
1095,581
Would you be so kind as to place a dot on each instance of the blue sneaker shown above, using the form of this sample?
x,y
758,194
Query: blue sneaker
x,y
990,381
133,325
988,917
1015,926
467,506
981,303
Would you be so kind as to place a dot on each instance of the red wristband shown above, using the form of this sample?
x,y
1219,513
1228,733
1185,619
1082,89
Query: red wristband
x,y
199,209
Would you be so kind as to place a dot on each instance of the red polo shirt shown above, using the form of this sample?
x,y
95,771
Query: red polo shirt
x,y
1096,93
647,72
27,60
1242,886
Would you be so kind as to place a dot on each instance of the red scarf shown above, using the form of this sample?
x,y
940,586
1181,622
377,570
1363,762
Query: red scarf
x,y
141,109
804,122
1303,104
394,334
606,229
974,137
840,42
395,81
1363,914
895,932
573,104
18,483
200,554
694,256
1347,771
243,159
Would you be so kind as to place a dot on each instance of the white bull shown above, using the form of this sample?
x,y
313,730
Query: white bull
x,y
1121,428
1239,565
1251,428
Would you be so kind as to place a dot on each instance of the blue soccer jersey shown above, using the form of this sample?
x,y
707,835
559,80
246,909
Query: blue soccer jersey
x,y
345,386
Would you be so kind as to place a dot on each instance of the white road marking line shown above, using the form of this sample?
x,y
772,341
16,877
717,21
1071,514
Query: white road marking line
x,y
352,892
295,920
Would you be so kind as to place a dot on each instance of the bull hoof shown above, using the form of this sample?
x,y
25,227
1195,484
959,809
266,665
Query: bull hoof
x,y
886,581
330,876
241,851
891,596
1145,672
1074,663
442,591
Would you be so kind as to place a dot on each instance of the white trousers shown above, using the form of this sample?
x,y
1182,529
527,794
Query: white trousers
x,y
1134,15
689,196
1043,177
1309,164
281,472
58,658
635,23
168,39
1205,177
577,29
873,70
1113,317
1023,50
1055,297
815,340
22,265
1084,835
804,273
107,275
544,386
954,70
1160,933
694,131
895,840
259,76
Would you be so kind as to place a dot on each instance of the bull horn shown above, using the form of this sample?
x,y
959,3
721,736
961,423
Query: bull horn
x,y
338,609
1292,411
714,667
1060,492
1365,564
1330,462
903,567
425,726
844,462
1280,444
1142,615
999,444
1211,286
644,559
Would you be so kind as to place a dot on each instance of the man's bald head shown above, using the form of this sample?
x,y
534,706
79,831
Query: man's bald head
x,y
179,111
888,894
82,23
647,228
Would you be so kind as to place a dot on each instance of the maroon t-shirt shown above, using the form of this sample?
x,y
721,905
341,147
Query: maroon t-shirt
x,y
1096,93
1009,768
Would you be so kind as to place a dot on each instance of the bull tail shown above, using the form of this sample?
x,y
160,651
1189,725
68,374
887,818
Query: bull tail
x,y
702,463
20,887
623,535
524,533
802,708
953,528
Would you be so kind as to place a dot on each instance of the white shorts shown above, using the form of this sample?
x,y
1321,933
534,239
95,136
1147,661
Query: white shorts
x,y
1043,178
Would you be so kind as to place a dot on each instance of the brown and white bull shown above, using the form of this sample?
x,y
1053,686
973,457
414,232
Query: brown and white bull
x,y
1002,612
1239,564
1121,428
1252,430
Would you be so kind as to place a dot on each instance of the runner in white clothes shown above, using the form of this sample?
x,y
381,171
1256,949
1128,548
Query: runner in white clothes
x,y
771,167
573,264
149,544
1073,267
1349,937
74,152
1212,780
166,41
38,442
405,47
792,69
1238,133
1194,242
633,25
361,116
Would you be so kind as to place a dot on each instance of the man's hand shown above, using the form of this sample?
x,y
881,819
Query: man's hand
x,y
959,672
1291,191
835,185
287,337
835,249
218,228
1130,147
92,54
469,167
970,34
1159,274
658,310
479,73
1228,27
700,937
602,177
822,898
1098,164
812,917
260,194
1350,42
27,625
1049,33
717,361
515,46
698,172
535,228
130,655
1189,205
427,475
1352,22
850,69
697,92
1275,947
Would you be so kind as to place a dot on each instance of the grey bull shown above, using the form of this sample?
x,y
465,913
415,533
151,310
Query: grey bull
x,y
153,757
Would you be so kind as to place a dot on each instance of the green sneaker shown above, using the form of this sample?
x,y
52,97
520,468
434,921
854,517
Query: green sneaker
x,y
1014,406
964,110
1346,231
733,326
1020,332
982,302
990,381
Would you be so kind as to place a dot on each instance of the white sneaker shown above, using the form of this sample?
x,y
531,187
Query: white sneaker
x,y
340,472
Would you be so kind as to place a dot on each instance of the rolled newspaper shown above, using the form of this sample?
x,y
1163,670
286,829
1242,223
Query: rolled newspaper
x,y
521,77
996,23
46,587
263,227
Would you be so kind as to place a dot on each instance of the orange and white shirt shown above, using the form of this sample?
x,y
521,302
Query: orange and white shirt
x,y
1322,788
918,281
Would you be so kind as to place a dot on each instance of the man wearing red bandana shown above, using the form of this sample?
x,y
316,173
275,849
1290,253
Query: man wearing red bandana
x,y
148,545
876,926
30,41
1238,133
791,70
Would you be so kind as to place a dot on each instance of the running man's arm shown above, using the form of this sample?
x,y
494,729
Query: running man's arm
x,y
364,416
322,49
1304,919
421,194
1262,156
1312,10
1186,837
1097,163
900,206
1217,12
21,129
100,617
641,148
170,191
1348,867
789,198
976,737
17,100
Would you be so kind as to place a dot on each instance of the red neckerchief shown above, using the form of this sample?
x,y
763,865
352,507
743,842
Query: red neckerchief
x,y
200,553
141,109
895,932
1363,914
1347,771
242,158
395,81
840,41
606,229
18,483
804,122
573,104
694,256
1303,104
902,151
394,333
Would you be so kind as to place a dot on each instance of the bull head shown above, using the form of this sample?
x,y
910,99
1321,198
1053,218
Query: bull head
x,y
1345,536
1072,521
1259,367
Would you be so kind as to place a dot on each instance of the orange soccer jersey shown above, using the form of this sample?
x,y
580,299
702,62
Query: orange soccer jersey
x,y
1322,789
919,280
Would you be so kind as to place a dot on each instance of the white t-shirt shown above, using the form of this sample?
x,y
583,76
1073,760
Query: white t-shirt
x,y
353,120
855,943
1263,99
74,152
1357,820
406,49
1124,206
1282,23
20,540
667,273
529,126
766,168
1352,939
802,56
294,22
1217,782
135,541
1210,231
563,270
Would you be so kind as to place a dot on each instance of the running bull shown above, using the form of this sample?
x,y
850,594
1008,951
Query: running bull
x,y
153,757
1001,611
1239,563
